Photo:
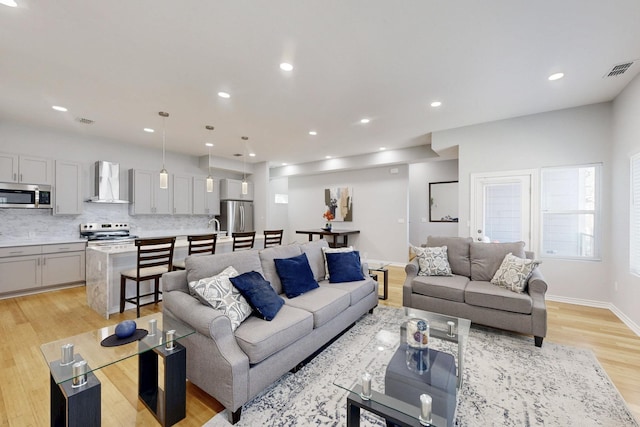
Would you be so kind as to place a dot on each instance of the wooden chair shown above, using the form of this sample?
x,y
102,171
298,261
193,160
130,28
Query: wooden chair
x,y
155,257
198,244
243,240
272,238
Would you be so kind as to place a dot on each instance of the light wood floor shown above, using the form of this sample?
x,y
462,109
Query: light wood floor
x,y
27,322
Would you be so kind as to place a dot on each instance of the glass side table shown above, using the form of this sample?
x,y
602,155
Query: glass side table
x,y
76,392
381,268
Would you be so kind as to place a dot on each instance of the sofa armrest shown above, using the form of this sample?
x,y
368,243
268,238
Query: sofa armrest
x,y
537,287
412,272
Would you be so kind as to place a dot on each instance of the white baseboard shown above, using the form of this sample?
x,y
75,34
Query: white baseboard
x,y
599,304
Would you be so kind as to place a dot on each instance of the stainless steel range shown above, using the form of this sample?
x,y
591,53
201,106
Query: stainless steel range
x,y
106,233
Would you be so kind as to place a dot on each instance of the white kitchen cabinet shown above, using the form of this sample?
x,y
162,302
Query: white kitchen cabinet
x,y
205,203
25,169
31,267
68,188
146,195
231,189
182,195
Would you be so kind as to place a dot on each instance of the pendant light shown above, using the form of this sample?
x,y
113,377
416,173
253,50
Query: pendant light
x,y
209,178
164,175
245,185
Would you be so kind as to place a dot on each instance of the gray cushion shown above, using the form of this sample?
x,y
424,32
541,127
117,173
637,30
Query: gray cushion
x,y
324,303
484,294
487,257
357,290
313,250
268,265
445,287
457,252
260,339
199,267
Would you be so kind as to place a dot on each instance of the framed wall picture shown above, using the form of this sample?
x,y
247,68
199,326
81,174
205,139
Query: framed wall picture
x,y
339,201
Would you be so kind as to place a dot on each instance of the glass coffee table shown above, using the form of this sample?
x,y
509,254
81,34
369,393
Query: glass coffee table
x,y
75,390
398,374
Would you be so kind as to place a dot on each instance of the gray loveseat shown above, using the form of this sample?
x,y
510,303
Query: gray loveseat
x,y
468,292
233,367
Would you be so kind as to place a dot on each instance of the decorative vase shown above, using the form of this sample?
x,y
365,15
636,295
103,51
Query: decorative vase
x,y
327,226
418,333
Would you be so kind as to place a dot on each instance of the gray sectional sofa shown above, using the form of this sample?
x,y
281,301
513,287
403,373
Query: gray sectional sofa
x,y
468,292
234,366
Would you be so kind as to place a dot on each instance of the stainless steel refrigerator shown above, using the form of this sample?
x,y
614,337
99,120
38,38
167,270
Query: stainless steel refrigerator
x,y
236,216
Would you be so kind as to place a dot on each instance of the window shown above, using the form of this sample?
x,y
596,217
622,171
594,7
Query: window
x,y
571,211
634,227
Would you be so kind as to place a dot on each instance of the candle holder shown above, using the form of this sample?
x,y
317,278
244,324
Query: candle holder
x,y
452,328
425,410
366,386
67,355
79,374
153,327
169,343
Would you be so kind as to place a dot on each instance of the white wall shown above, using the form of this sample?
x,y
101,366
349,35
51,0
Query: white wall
x,y
566,137
380,202
626,126
278,213
420,175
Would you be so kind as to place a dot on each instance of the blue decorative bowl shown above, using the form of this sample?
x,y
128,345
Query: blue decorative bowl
x,y
125,329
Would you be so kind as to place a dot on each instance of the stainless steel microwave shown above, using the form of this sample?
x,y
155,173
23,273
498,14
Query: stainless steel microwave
x,y
25,196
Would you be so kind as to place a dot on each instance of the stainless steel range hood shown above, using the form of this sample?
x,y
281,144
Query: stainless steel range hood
x,y
107,183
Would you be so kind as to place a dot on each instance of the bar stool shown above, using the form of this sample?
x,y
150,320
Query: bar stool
x,y
243,240
155,257
198,244
272,238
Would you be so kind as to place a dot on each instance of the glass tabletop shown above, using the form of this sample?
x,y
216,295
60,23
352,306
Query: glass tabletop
x,y
377,266
398,372
87,347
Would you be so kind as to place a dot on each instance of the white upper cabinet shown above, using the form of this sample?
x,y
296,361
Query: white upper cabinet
x,y
205,203
25,169
146,194
182,195
231,189
68,188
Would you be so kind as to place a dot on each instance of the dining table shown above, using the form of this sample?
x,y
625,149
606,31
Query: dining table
x,y
337,238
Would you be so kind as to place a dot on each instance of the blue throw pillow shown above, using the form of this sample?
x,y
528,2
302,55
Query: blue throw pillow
x,y
296,275
259,293
344,267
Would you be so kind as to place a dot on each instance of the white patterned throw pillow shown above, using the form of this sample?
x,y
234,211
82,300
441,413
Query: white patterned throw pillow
x,y
433,261
514,272
219,293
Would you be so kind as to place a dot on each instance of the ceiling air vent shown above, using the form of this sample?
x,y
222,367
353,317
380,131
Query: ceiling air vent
x,y
619,69
85,121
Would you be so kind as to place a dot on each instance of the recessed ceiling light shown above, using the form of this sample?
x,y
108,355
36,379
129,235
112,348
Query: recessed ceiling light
x,y
224,95
327,157
59,108
365,121
284,164
10,3
148,130
436,103
313,133
556,76
252,154
208,144
382,148
285,66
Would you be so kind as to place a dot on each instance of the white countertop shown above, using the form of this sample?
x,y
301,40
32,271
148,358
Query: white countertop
x,y
34,241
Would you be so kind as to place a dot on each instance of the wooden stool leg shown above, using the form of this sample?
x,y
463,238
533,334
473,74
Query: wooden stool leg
x,y
137,299
123,289
156,290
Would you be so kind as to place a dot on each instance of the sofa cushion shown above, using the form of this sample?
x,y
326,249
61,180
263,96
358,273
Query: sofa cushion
x,y
444,287
324,303
296,275
487,257
260,339
316,257
357,290
332,250
210,265
268,266
259,293
514,273
219,293
484,294
457,252
344,267
433,261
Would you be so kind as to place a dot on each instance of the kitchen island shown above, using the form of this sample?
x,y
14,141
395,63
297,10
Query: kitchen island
x,y
104,264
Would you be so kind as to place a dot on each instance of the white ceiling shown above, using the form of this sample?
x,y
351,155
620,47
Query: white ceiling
x,y
120,62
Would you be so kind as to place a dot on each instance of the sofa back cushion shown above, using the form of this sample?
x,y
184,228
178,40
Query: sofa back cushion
x,y
202,266
316,257
457,253
268,266
487,257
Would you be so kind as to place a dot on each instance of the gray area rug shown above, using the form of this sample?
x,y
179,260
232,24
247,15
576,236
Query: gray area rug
x,y
507,382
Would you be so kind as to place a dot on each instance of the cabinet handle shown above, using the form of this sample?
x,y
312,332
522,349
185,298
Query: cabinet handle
x,y
44,261
15,176
20,177
16,252
38,263
63,249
